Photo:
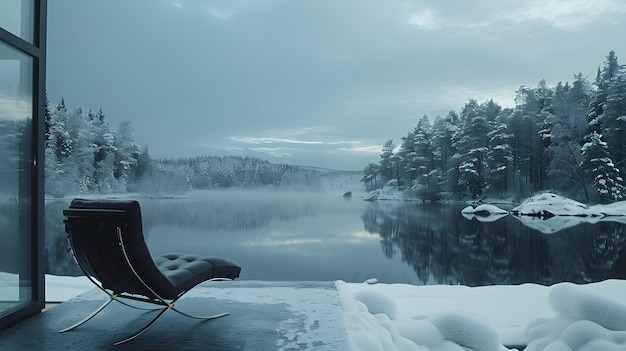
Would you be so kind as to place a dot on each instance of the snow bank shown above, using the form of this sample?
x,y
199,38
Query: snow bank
x,y
584,322
563,317
374,322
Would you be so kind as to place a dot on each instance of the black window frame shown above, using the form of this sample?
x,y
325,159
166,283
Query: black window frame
x,y
36,50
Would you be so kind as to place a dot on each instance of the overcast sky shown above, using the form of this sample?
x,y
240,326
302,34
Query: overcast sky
x,y
321,83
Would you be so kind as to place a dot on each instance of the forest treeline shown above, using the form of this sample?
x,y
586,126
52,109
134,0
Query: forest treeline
x,y
570,138
83,156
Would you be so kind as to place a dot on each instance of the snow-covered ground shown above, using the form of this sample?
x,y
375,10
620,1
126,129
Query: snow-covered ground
x,y
563,317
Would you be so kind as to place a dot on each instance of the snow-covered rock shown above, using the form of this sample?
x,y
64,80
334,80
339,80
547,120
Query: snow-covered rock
x,y
547,205
484,210
550,213
484,213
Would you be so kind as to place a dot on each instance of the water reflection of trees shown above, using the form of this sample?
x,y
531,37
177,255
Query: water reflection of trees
x,y
444,248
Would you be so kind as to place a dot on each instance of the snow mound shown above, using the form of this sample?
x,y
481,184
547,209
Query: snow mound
x,y
584,322
377,303
549,204
567,299
550,213
374,323
468,331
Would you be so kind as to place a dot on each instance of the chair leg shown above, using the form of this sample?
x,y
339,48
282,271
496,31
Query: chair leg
x,y
105,304
201,317
146,327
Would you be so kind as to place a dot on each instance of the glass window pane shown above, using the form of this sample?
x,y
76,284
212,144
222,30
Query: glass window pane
x,y
16,106
18,17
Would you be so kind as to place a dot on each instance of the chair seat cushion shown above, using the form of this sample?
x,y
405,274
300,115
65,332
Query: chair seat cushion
x,y
186,271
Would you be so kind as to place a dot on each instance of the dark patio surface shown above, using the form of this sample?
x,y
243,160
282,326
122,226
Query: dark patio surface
x,y
263,316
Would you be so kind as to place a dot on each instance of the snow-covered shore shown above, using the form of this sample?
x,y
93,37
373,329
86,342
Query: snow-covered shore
x,y
563,317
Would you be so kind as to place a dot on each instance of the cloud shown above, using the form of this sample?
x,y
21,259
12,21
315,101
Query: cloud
x,y
372,149
270,140
569,14
277,152
563,14
220,14
424,20
318,135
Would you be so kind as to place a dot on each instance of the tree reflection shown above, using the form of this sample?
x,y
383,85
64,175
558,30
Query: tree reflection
x,y
442,247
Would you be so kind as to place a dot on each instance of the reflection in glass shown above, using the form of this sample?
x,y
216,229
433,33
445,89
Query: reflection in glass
x,y
15,178
18,18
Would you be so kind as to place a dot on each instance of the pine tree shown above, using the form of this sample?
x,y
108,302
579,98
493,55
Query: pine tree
x,y
565,130
126,151
84,153
407,154
446,132
144,165
416,153
613,118
604,77
370,176
472,149
607,179
386,164
499,157
59,139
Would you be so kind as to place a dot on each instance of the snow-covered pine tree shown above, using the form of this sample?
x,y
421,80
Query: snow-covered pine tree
x,y
386,166
370,176
567,126
472,149
446,133
613,118
58,151
499,157
407,154
607,179
126,152
597,104
84,153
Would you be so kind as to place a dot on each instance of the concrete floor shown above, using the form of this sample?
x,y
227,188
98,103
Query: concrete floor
x,y
280,316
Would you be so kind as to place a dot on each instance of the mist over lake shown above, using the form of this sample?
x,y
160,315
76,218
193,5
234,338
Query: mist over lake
x,y
279,235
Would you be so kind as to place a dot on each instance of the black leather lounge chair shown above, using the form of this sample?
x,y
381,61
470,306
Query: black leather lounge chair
x,y
107,240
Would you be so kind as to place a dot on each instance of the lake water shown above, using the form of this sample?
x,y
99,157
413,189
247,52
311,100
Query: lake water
x,y
322,236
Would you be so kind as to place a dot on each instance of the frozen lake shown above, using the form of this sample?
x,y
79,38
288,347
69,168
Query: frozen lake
x,y
321,236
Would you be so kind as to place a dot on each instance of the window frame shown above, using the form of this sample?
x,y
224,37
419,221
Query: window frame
x,y
36,50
